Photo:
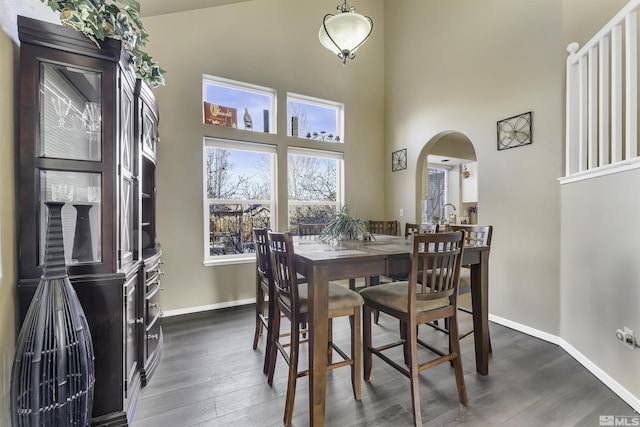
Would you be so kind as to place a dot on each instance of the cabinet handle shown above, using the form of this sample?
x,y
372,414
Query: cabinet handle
x,y
161,262
138,321
162,288
160,272
152,337
153,305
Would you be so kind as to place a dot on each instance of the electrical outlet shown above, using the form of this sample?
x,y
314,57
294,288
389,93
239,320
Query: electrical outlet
x,y
626,336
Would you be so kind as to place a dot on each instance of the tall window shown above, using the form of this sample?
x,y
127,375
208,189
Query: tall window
x,y
239,194
437,194
315,182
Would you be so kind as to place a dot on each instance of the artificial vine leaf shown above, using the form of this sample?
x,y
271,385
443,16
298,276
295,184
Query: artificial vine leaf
x,y
99,19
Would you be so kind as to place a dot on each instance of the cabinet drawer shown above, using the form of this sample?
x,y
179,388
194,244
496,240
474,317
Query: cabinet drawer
x,y
152,270
152,304
153,336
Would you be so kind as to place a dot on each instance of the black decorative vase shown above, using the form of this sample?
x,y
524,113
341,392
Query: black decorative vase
x,y
53,376
82,244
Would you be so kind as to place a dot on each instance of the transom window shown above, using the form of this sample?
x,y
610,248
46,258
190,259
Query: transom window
x,y
238,105
314,118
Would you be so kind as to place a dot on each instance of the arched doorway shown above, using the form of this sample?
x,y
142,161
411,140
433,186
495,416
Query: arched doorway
x,y
450,157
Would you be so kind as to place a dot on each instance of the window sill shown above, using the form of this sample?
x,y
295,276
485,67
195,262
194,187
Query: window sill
x,y
244,259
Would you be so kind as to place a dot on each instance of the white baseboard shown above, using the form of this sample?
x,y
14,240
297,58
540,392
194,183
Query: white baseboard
x,y
525,329
618,389
208,307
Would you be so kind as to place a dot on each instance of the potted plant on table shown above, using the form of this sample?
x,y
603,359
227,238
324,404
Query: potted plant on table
x,y
345,226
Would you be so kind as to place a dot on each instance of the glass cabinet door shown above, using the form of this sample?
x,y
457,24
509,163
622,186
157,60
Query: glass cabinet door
x,y
127,171
149,131
81,214
70,113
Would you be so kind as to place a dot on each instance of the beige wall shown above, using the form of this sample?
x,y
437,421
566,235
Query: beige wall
x,y
7,223
271,43
461,66
600,270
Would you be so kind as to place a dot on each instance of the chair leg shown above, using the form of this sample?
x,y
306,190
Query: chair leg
x,y
259,312
366,334
412,337
293,373
405,346
329,344
355,354
274,335
376,316
454,344
267,349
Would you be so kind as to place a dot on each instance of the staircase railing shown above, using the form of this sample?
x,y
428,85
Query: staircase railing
x,y
602,100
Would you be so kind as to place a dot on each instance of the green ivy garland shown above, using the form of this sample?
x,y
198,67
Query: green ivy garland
x,y
119,19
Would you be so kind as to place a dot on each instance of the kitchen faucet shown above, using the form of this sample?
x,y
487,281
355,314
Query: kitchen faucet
x,y
443,217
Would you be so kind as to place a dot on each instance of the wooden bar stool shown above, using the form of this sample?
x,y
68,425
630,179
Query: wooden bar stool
x,y
436,261
263,288
292,300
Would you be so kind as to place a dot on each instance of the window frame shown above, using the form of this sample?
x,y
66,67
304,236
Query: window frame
x,y
244,87
446,170
318,102
238,145
340,174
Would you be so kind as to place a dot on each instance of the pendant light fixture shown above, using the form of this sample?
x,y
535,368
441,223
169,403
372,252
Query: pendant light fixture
x,y
345,32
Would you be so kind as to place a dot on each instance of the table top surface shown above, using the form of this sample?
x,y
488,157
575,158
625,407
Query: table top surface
x,y
314,249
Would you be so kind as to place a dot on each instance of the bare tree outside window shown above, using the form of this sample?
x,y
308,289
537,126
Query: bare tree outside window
x,y
295,109
240,198
313,190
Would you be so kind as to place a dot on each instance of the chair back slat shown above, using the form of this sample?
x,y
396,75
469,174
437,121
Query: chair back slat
x,y
389,228
435,265
476,235
263,263
410,228
283,266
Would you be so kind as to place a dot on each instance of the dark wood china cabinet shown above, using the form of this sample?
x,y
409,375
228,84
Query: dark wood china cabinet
x,y
88,137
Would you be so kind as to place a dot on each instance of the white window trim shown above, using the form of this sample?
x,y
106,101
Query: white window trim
x,y
338,106
247,87
233,145
325,154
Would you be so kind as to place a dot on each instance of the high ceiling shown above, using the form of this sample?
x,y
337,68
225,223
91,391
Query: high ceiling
x,y
161,7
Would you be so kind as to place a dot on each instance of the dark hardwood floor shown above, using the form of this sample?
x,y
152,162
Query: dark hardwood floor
x,y
209,375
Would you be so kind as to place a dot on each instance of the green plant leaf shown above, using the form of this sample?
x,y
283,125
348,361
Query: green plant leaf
x,y
99,19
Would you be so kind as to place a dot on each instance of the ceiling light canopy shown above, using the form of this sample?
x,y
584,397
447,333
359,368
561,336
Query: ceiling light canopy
x,y
345,32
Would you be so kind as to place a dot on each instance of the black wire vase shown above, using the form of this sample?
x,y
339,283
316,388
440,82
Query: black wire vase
x,y
53,370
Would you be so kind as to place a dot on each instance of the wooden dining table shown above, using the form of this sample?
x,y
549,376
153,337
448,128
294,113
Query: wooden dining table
x,y
322,262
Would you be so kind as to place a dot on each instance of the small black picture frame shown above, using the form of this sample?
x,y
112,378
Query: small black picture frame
x,y
514,131
399,160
